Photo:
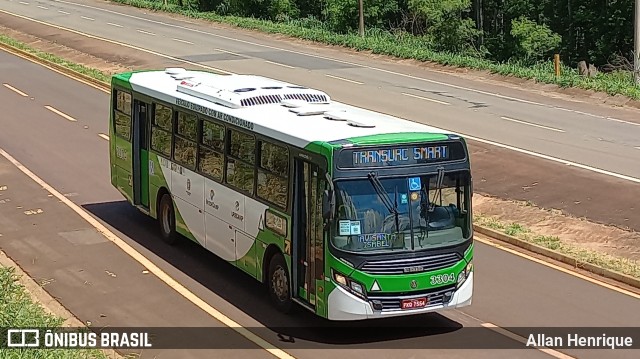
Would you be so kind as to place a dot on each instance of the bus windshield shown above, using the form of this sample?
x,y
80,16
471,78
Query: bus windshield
x,y
402,214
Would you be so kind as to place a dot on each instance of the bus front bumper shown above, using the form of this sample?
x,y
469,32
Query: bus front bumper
x,y
343,305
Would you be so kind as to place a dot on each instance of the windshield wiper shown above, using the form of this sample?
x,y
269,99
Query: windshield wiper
x,y
384,197
438,189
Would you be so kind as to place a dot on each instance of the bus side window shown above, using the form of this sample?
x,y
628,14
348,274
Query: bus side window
x,y
122,114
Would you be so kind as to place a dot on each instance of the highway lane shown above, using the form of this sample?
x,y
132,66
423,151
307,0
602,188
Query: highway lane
x,y
586,134
510,291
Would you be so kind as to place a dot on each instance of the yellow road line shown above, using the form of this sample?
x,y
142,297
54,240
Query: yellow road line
x,y
60,113
15,90
149,265
557,267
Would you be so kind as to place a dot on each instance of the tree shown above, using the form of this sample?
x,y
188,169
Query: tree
x,y
533,41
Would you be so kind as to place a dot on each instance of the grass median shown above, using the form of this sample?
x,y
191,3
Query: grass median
x,y
621,265
407,46
17,310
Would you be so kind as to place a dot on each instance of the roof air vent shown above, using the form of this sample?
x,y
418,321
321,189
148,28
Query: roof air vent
x,y
360,124
293,103
174,70
246,89
336,115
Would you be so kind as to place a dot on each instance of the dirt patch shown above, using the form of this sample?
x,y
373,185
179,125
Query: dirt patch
x,y
491,168
576,231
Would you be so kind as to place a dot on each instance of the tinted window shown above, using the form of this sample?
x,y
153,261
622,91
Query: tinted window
x,y
274,158
213,135
243,146
240,175
162,117
188,126
123,125
185,152
211,163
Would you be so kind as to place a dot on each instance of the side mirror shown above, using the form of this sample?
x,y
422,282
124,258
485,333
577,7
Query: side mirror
x,y
327,205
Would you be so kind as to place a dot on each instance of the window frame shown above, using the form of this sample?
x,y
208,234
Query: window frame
x,y
117,111
260,168
176,135
153,126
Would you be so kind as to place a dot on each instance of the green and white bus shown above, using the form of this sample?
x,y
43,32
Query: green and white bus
x,y
350,213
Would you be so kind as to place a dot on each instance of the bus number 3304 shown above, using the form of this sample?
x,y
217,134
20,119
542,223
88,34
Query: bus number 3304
x,y
443,278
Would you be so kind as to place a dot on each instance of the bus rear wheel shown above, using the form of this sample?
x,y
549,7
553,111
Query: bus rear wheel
x,y
279,284
167,220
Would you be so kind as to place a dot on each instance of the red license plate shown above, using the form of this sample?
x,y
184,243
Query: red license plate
x,y
414,303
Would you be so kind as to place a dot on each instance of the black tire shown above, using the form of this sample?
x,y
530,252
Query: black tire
x,y
167,220
278,282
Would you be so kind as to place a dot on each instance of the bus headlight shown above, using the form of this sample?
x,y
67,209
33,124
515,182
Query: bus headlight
x,y
464,274
349,284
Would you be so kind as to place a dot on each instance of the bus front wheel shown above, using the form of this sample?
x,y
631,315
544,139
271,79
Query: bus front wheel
x,y
279,284
167,220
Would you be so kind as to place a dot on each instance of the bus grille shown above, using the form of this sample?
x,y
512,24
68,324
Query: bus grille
x,y
393,301
411,265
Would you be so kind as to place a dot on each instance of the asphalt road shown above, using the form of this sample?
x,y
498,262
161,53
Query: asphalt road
x,y
471,107
62,145
592,135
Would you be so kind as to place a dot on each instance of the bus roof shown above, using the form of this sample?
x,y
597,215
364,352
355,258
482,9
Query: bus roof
x,y
287,112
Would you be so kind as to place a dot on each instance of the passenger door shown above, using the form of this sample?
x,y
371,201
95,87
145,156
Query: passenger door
x,y
140,153
308,234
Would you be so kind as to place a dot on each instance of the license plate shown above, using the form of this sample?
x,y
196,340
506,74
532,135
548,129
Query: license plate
x,y
414,303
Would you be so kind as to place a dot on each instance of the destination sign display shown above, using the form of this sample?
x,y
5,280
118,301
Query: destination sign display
x,y
401,155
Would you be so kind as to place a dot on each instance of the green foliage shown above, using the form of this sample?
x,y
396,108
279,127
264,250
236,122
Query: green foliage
x,y
533,41
343,15
446,28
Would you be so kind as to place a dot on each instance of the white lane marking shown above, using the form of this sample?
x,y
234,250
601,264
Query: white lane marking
x,y
493,143
551,158
15,90
426,98
531,124
279,64
112,24
117,43
104,136
87,18
343,79
184,41
637,148
145,32
516,337
60,113
228,52
23,2
623,121
64,12
43,7
150,266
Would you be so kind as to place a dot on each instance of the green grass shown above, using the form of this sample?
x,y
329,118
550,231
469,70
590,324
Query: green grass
x,y
622,265
406,46
18,310
93,73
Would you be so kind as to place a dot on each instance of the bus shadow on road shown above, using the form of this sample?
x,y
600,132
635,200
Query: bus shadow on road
x,y
251,297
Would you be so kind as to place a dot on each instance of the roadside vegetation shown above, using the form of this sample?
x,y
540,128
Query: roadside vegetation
x,y
96,74
621,265
18,310
517,38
